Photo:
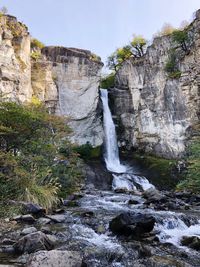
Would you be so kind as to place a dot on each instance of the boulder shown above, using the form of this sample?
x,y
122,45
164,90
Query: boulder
x,y
28,231
57,218
191,242
33,242
34,209
55,258
28,218
132,224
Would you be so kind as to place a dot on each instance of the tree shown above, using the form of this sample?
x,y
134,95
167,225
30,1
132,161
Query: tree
x,y
166,29
123,53
181,37
138,45
112,61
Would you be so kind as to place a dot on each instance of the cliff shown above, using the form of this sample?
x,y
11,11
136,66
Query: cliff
x,y
65,79
155,113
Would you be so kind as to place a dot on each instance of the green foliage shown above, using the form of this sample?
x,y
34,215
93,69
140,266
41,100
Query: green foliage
x,y
181,38
192,179
171,66
136,48
95,58
30,157
87,151
108,81
35,43
36,55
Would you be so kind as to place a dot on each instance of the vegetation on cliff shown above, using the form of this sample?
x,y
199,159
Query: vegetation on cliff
x,y
33,165
192,174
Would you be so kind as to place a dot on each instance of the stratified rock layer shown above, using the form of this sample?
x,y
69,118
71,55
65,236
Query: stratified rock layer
x,y
154,112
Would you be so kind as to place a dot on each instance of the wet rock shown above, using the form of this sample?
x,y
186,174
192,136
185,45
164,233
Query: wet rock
x,y
7,249
34,209
28,218
55,258
57,218
28,231
33,242
7,241
166,261
132,224
191,242
152,194
133,202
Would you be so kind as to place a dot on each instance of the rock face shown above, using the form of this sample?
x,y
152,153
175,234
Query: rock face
x,y
66,79
15,65
155,112
74,89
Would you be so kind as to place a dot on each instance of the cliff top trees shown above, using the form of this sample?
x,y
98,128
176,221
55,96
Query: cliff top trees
x,y
136,48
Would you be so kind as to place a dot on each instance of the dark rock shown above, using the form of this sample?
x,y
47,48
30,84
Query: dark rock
x,y
43,221
191,242
133,202
152,195
34,209
33,242
132,224
24,218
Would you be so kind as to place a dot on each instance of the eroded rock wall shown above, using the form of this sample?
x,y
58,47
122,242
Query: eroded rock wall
x,y
15,65
160,110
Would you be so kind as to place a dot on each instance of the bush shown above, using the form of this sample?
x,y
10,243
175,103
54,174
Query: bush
x,y
87,151
30,141
171,66
35,43
192,179
36,55
181,37
108,82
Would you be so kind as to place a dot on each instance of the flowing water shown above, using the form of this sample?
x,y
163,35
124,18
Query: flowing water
x,y
87,224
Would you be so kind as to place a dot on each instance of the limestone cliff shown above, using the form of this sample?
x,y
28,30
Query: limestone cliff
x,y
15,65
66,79
153,111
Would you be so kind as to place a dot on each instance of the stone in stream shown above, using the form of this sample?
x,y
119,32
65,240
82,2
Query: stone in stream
x,y
33,242
55,258
152,194
191,242
132,224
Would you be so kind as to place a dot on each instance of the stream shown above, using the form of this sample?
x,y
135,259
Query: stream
x,y
113,190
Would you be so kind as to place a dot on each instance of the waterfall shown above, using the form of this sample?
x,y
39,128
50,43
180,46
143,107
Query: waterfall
x,y
111,148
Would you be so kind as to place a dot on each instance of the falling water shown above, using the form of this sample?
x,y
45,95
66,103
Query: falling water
x,y
111,147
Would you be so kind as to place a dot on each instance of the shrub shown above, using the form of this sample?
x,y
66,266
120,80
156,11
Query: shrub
x,y
35,43
181,37
87,151
192,176
36,55
108,81
171,66
30,141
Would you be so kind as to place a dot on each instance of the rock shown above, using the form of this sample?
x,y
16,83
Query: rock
x,y
7,241
191,242
57,218
28,218
132,224
28,231
34,209
133,202
166,261
152,194
43,221
33,242
55,258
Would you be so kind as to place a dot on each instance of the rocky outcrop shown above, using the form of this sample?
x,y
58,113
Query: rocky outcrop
x,y
15,65
66,79
153,111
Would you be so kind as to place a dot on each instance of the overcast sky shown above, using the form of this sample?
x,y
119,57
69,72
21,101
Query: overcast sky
x,y
98,25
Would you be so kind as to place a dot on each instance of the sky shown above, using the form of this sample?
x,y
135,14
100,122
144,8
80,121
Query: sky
x,y
98,25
